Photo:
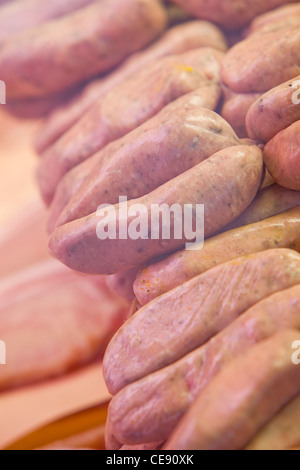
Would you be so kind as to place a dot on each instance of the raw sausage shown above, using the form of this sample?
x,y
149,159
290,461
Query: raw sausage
x,y
282,432
177,40
246,70
21,15
231,14
151,407
181,136
235,108
282,157
274,111
47,336
66,51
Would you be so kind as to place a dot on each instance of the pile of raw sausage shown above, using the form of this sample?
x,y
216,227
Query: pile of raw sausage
x,y
204,111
